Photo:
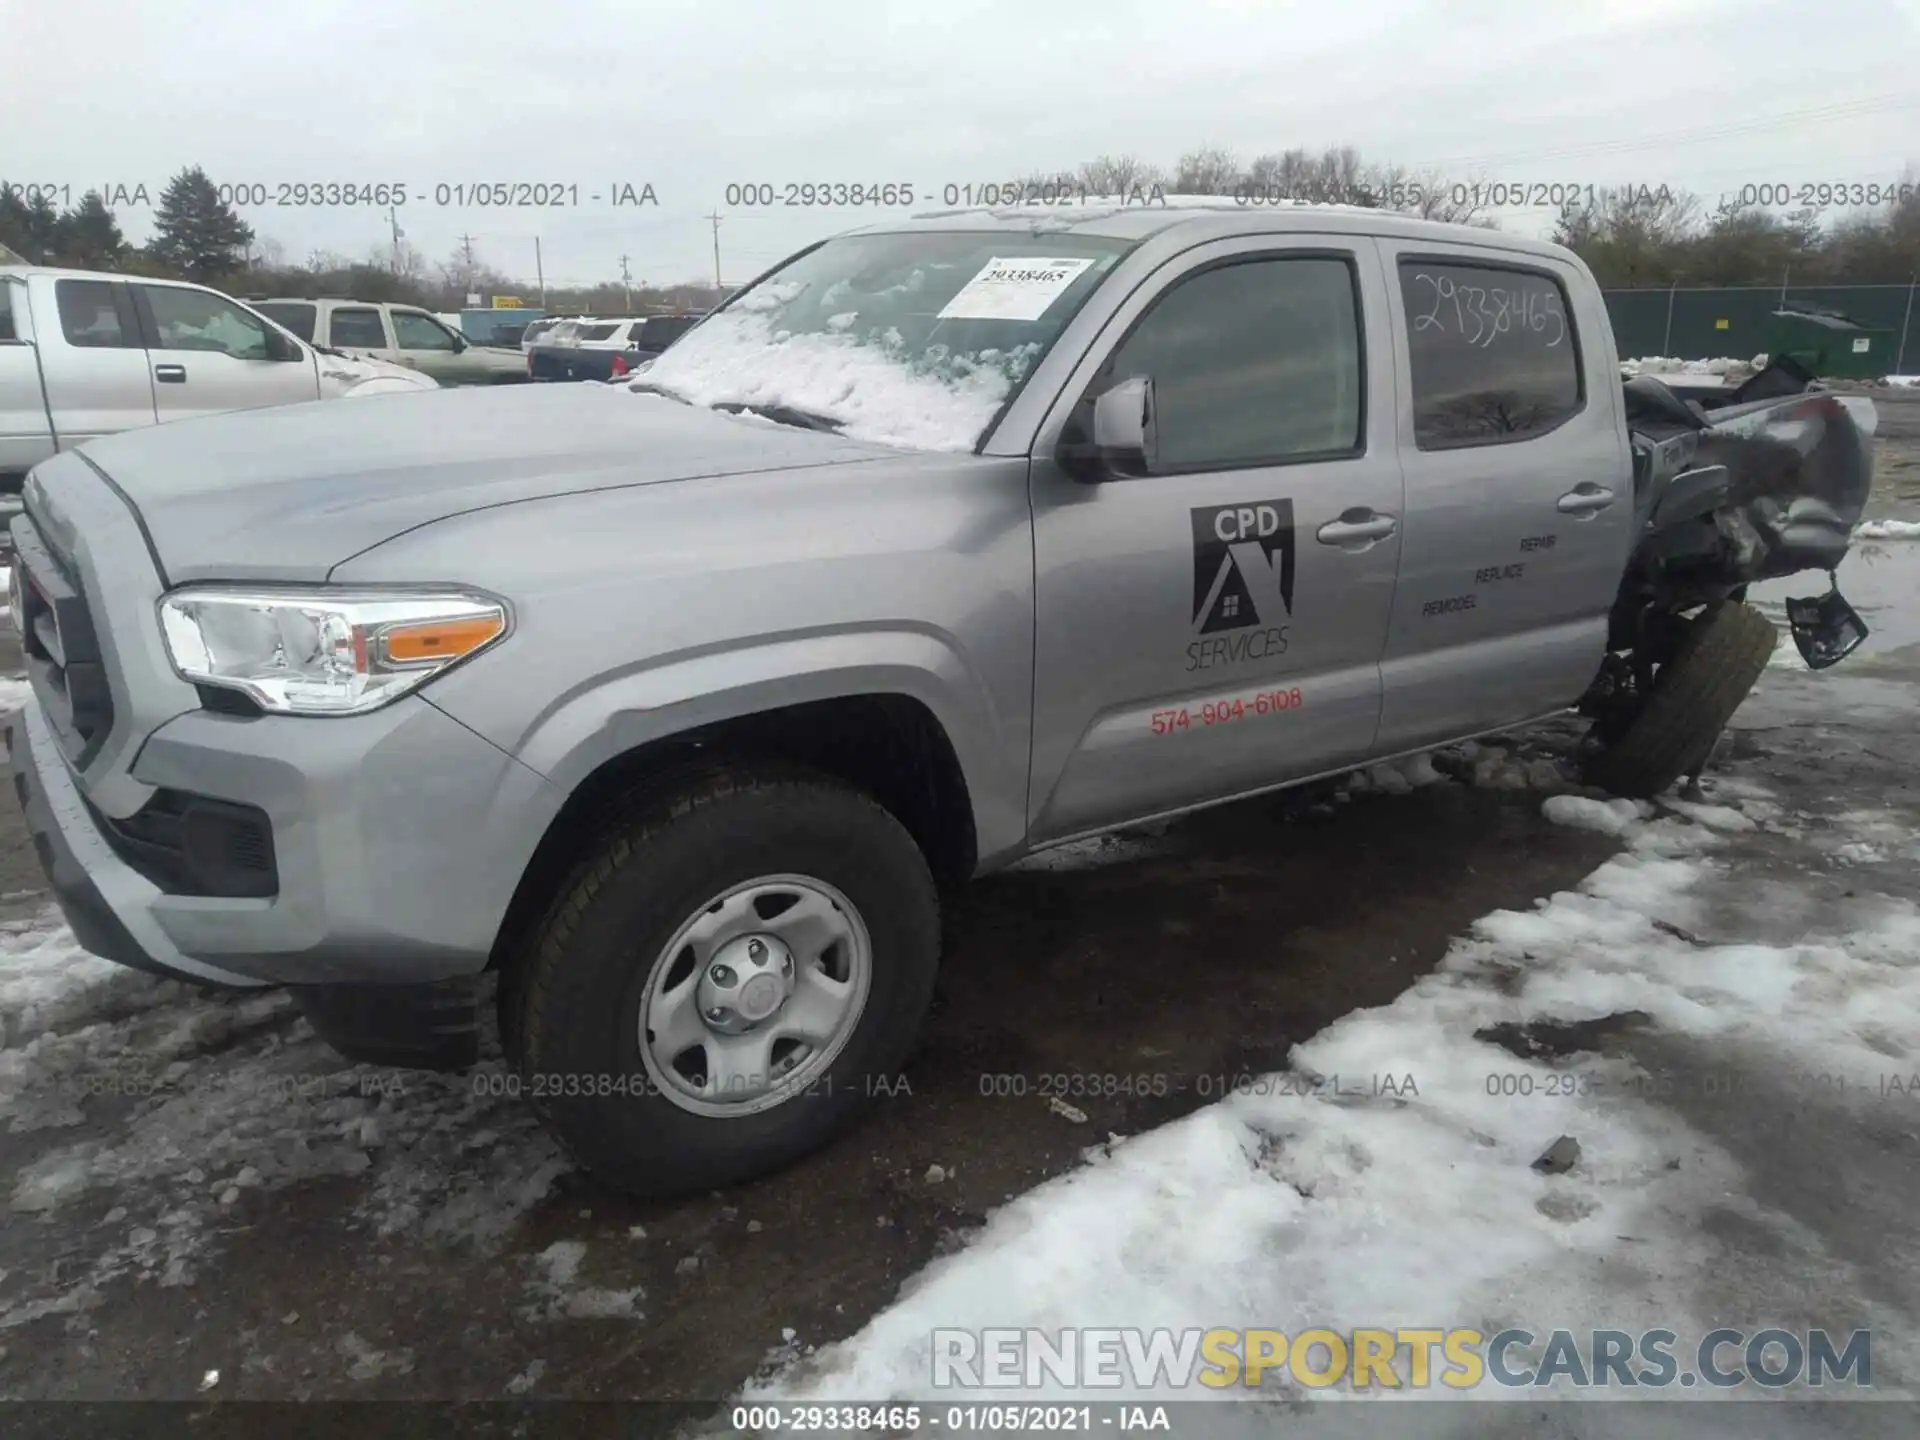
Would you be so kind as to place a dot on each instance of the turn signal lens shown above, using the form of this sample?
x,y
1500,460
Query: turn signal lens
x,y
438,641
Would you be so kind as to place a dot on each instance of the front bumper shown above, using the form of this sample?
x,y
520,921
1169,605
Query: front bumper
x,y
399,836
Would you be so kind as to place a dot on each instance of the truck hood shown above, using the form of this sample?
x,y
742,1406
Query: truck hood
x,y
288,493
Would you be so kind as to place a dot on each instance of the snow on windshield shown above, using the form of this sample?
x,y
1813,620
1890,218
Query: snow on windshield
x,y
915,340
940,402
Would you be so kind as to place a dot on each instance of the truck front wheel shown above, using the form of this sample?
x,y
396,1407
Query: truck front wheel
x,y
736,970
1693,696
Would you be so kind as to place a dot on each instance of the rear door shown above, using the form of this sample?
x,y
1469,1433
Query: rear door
x,y
1519,490
1215,627
96,368
209,355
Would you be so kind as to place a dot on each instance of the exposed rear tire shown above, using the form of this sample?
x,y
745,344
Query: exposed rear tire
x,y
689,884
1692,699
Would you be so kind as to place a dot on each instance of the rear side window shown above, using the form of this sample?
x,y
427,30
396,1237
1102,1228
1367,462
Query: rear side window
x,y
88,316
1495,357
297,318
598,332
661,331
7,331
360,328
1256,362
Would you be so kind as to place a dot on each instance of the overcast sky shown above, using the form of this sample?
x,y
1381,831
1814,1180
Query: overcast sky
x,y
692,95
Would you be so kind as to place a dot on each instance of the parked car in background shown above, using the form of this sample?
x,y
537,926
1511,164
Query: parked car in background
x,y
85,354
401,334
605,350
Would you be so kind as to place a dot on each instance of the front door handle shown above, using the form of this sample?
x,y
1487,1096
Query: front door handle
x,y
1584,499
170,374
1356,527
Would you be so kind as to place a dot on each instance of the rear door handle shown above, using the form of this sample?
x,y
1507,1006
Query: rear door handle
x,y
1584,499
1356,527
170,374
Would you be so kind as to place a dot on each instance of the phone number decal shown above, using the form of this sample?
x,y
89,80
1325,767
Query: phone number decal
x,y
1225,712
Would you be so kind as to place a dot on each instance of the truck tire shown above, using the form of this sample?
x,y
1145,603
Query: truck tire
x,y
1693,698
736,969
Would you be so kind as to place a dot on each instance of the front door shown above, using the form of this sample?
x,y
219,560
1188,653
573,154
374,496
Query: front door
x,y
1215,627
424,344
209,355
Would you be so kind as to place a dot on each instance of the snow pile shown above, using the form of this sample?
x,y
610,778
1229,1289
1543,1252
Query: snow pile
x,y
1888,530
1401,1188
738,357
1692,371
1903,379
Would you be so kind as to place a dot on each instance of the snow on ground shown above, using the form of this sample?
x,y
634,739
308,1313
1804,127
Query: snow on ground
x,y
1338,1197
14,692
1903,379
221,1099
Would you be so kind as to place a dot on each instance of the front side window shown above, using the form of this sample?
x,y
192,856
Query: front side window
x,y
912,338
88,317
359,328
1494,354
419,332
1253,362
200,320
7,330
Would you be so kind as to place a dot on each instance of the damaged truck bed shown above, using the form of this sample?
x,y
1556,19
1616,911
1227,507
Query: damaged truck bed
x,y
1730,487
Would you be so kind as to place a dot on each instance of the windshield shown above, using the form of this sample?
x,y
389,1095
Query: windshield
x,y
915,338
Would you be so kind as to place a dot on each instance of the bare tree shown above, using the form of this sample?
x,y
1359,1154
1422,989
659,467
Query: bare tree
x,y
1119,175
1207,171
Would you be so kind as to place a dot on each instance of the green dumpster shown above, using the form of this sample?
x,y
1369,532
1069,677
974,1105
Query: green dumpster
x,y
1832,345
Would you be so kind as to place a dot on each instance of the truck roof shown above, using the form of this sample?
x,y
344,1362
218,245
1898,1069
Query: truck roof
x,y
1206,215
60,272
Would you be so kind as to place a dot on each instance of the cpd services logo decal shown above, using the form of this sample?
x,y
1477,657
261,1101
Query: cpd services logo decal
x,y
1242,565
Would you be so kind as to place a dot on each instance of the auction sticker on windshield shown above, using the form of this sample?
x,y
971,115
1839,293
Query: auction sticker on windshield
x,y
1020,288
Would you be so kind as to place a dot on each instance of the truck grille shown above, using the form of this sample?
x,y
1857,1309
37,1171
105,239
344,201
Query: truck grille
x,y
62,649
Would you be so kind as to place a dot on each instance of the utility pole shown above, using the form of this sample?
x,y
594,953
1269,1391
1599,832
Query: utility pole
x,y
393,222
715,218
540,272
466,244
626,282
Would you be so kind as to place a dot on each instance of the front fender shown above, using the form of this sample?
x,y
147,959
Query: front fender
x,y
670,695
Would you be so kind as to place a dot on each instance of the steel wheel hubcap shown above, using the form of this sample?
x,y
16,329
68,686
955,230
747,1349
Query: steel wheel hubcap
x,y
755,995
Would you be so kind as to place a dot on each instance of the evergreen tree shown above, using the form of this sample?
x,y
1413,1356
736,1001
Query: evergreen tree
x,y
90,238
29,227
194,233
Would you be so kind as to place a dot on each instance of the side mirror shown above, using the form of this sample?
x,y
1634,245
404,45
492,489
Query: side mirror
x,y
459,344
283,348
1125,442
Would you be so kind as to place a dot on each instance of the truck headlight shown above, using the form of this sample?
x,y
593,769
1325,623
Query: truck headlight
x,y
323,651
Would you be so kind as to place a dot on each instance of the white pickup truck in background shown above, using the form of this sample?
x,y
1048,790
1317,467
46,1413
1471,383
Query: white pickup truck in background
x,y
85,354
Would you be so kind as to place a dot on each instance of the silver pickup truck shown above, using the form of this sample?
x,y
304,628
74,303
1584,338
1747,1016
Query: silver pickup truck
x,y
85,354
680,702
